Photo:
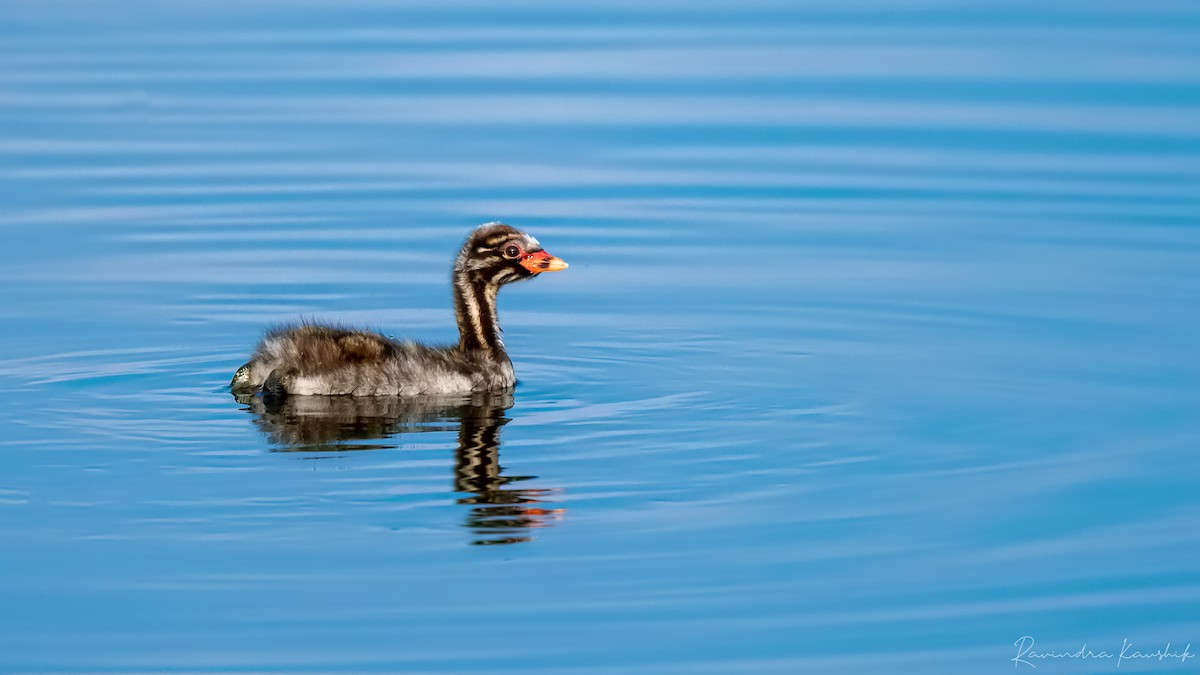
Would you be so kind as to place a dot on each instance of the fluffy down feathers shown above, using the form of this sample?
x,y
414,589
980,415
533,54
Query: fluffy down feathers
x,y
324,360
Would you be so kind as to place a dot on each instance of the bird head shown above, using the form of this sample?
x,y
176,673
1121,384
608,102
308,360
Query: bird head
x,y
498,254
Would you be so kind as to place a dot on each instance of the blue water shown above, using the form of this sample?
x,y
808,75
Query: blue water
x,y
877,352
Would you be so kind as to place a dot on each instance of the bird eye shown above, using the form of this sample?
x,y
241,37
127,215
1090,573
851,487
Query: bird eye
x,y
512,251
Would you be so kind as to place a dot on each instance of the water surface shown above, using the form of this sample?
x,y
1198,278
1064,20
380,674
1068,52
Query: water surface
x,y
877,351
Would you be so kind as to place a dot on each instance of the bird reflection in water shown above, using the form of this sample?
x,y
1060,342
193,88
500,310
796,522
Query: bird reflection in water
x,y
500,512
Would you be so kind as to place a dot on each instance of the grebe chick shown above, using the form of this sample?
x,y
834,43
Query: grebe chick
x,y
328,360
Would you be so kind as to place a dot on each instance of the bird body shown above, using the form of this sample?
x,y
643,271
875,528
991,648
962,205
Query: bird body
x,y
317,359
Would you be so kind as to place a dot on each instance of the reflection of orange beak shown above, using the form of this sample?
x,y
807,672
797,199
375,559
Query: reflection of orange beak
x,y
540,261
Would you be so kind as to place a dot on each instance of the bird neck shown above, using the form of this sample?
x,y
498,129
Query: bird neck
x,y
475,311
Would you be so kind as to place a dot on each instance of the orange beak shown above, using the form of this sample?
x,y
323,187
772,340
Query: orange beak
x,y
540,261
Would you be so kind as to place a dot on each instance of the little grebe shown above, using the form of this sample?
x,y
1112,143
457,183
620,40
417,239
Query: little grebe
x,y
328,360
